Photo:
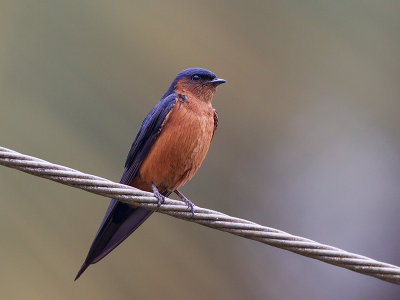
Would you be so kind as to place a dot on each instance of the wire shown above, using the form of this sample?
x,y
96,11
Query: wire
x,y
203,216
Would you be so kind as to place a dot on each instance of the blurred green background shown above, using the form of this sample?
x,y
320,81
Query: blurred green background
x,y
308,142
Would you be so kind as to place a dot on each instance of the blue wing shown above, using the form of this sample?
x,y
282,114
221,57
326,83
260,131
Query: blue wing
x,y
120,219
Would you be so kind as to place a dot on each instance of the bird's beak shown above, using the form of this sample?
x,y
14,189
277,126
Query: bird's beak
x,y
217,81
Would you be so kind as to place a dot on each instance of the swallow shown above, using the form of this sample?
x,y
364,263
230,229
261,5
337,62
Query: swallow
x,y
169,148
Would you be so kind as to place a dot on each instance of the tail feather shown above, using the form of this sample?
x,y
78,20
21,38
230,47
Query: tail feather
x,y
118,223
81,270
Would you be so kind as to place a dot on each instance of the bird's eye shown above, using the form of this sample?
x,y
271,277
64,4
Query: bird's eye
x,y
195,78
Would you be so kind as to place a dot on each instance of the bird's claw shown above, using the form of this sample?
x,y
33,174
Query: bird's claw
x,y
187,202
191,206
160,198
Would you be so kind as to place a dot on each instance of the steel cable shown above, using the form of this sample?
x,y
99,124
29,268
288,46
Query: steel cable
x,y
203,216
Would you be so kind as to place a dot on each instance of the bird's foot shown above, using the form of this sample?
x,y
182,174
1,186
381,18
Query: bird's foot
x,y
157,194
186,200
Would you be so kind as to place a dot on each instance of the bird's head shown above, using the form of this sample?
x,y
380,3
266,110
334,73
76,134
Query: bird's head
x,y
201,83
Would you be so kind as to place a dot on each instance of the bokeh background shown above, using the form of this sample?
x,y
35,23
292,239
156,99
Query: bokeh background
x,y
308,142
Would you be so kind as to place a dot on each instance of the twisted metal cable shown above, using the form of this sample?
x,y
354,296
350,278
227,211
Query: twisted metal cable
x,y
203,216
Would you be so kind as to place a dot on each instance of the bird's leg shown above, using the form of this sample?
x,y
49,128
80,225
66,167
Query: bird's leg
x,y
186,200
158,195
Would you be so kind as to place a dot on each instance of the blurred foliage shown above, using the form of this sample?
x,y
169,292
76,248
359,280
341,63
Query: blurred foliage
x,y
308,142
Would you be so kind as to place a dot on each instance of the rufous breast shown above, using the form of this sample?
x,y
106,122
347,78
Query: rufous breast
x,y
181,147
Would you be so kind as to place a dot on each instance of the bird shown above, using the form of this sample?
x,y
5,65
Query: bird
x,y
169,148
